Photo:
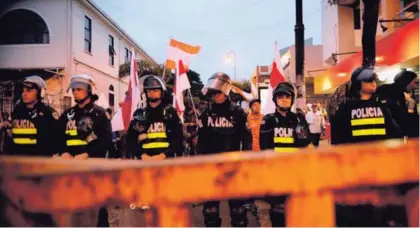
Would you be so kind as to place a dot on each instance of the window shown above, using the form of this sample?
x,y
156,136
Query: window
x,y
111,96
23,27
88,34
127,55
111,51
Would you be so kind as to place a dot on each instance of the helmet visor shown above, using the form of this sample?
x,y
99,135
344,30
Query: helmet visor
x,y
217,85
367,75
78,85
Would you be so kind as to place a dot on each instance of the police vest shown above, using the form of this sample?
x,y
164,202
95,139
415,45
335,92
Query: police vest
x,y
367,121
222,124
152,134
284,138
73,139
24,131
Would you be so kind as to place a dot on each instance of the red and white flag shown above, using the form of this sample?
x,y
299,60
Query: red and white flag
x,y
181,84
276,77
179,50
123,116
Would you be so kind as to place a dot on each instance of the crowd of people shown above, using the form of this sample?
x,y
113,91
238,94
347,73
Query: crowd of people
x,y
156,132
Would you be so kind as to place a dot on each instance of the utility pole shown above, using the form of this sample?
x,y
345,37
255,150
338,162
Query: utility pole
x,y
300,56
370,23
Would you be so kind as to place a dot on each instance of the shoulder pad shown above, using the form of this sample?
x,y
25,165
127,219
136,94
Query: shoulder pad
x,y
139,114
267,118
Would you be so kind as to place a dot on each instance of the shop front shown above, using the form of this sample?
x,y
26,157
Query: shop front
x,y
396,51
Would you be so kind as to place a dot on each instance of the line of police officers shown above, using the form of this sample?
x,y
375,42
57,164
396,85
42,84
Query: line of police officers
x,y
156,132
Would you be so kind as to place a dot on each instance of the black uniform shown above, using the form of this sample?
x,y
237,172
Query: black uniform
x,y
155,130
85,130
224,124
283,134
363,120
358,121
34,131
393,96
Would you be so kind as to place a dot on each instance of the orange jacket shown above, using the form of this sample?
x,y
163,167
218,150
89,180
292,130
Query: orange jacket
x,y
254,123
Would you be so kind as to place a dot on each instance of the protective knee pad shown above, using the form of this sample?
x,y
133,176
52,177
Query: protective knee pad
x,y
211,217
277,216
238,217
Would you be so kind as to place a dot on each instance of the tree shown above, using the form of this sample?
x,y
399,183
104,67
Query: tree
x,y
144,67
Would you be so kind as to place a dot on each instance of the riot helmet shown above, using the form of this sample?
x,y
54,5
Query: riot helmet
x,y
404,78
36,82
281,89
218,82
85,82
149,82
359,75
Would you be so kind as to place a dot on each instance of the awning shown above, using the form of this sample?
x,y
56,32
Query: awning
x,y
398,47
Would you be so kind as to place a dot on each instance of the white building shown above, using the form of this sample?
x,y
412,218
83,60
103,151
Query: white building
x,y
56,39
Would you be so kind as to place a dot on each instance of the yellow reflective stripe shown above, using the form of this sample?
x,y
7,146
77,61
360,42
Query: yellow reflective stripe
x,y
24,141
285,149
71,132
156,135
76,142
367,121
154,145
24,131
366,132
284,140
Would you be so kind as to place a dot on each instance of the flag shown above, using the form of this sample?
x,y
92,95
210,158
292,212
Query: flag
x,y
276,77
181,84
122,118
180,51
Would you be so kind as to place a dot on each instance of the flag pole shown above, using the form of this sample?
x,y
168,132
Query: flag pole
x,y
193,105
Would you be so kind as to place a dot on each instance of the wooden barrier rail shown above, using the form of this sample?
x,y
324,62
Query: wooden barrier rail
x,y
314,180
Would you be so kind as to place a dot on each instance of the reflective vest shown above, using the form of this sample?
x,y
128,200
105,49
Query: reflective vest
x,y
24,132
73,140
284,142
367,122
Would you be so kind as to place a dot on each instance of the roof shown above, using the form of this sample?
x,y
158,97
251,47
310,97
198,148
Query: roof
x,y
117,27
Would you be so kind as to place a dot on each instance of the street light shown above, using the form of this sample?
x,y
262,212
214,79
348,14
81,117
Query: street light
x,y
231,56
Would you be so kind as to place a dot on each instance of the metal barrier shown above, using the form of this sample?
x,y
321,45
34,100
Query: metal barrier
x,y
314,180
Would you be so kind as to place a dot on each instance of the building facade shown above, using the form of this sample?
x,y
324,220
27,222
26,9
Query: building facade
x,y
57,39
397,41
313,67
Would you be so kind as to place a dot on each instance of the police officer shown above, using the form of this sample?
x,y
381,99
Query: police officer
x,y
85,131
361,118
85,128
33,127
225,123
156,131
284,132
393,96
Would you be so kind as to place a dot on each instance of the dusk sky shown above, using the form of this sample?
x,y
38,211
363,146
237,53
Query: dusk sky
x,y
247,27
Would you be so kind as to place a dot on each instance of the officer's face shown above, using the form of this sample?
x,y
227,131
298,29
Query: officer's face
x,y
284,100
256,107
154,93
29,95
218,97
79,93
368,87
